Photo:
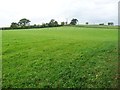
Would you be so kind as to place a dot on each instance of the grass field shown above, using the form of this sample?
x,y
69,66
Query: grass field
x,y
60,57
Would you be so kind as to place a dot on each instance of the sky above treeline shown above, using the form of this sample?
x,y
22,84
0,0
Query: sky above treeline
x,y
42,11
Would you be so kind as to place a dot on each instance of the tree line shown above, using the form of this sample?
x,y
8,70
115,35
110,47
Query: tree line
x,y
25,24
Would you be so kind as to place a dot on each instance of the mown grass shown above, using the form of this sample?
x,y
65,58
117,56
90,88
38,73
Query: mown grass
x,y
60,57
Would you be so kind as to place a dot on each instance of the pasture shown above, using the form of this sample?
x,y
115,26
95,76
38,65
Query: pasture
x,y
60,57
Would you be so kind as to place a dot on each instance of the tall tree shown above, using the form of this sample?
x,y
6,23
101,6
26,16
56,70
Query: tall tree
x,y
73,21
24,22
53,23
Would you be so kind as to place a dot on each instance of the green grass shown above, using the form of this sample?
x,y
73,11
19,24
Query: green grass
x,y
97,26
60,57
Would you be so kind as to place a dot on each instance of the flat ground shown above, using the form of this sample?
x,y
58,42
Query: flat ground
x,y
60,57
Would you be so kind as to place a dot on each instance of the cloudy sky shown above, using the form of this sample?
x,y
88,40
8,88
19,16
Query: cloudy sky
x,y
39,11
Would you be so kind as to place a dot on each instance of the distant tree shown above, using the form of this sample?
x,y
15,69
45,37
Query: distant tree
x,y
14,25
53,23
43,25
66,23
62,23
24,22
101,24
87,23
110,23
47,24
73,21
35,25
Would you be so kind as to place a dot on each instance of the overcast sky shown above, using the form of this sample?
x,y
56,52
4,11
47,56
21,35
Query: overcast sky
x,y
39,11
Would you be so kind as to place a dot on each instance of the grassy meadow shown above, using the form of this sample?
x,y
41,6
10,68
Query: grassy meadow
x,y
60,57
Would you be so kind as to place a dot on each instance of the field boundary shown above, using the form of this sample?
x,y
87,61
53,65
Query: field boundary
x,y
79,26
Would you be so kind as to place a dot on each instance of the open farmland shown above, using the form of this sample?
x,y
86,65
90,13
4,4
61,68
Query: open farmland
x,y
60,57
